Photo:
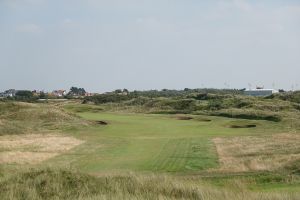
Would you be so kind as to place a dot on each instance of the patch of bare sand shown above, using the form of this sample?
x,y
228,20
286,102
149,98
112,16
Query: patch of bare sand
x,y
34,148
252,153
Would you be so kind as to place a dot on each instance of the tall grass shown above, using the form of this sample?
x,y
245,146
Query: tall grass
x,y
66,184
248,114
20,118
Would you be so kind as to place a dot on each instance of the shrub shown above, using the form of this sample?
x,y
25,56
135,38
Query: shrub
x,y
247,114
107,98
290,96
215,105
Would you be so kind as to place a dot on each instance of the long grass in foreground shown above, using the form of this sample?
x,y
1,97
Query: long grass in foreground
x,y
67,184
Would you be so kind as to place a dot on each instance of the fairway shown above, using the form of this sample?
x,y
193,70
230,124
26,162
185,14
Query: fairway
x,y
153,143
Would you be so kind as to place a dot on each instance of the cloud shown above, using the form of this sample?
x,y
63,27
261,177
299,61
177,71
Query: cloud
x,y
28,28
276,27
148,21
156,25
67,21
291,12
21,3
34,2
226,8
242,5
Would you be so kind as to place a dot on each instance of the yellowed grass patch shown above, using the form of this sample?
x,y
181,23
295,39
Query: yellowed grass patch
x,y
34,148
252,153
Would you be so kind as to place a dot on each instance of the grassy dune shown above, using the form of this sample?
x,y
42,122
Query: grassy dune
x,y
22,118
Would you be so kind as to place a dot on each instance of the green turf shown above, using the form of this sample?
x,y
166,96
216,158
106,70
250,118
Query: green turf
x,y
154,143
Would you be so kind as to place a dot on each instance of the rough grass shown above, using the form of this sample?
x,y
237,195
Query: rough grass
x,y
21,118
83,108
248,114
258,153
65,184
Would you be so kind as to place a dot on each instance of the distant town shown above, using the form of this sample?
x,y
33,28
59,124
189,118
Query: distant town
x,y
75,92
60,93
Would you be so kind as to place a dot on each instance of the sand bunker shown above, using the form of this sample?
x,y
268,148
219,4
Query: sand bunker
x,y
184,118
203,119
243,126
34,148
102,122
252,153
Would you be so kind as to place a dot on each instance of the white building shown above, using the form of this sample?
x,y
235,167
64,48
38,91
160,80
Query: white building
x,y
260,92
59,93
9,93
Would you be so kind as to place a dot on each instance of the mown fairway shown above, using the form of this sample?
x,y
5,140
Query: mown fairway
x,y
154,143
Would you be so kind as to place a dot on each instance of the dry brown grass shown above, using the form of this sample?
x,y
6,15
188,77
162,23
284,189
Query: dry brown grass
x,y
34,148
252,153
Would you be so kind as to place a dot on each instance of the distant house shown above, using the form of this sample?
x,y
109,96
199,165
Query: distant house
x,y
89,94
59,93
9,93
36,93
260,92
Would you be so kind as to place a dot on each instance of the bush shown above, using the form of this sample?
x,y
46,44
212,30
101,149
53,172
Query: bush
x,y
290,96
184,104
215,105
25,95
107,98
139,101
247,114
239,103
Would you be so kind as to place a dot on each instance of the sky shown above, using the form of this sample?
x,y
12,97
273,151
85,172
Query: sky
x,y
149,44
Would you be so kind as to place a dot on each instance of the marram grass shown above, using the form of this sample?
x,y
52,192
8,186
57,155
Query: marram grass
x,y
67,184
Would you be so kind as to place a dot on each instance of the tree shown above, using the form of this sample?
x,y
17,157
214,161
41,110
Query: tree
x,y
24,94
43,95
75,91
118,91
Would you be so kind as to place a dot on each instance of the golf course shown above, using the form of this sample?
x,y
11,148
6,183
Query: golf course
x,y
125,150
149,100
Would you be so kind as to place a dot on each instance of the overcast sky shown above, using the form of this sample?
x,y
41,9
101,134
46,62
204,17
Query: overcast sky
x,y
149,44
